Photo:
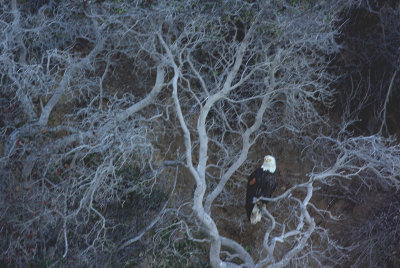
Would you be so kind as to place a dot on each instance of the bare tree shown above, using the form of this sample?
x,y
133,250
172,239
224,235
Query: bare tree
x,y
68,167
231,84
206,84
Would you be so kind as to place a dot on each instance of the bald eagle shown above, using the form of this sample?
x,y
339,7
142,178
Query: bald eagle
x,y
261,183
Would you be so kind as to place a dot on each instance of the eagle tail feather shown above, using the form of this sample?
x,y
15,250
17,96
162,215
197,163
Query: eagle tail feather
x,y
256,214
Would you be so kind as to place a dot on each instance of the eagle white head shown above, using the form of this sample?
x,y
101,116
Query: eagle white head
x,y
269,164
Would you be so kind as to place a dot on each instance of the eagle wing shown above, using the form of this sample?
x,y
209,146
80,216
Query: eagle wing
x,y
252,186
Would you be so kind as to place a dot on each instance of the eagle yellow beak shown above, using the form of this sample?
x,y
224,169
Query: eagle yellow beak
x,y
267,159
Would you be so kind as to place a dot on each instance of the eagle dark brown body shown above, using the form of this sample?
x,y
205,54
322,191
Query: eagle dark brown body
x,y
260,184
